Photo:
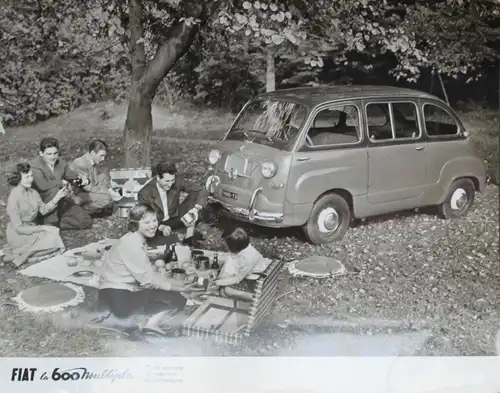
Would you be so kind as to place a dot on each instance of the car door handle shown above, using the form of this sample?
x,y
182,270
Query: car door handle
x,y
303,158
419,148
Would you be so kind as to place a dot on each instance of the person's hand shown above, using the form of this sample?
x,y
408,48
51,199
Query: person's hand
x,y
62,193
191,288
212,288
195,212
85,180
115,196
165,230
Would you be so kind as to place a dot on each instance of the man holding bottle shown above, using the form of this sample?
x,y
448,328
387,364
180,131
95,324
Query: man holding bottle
x,y
162,194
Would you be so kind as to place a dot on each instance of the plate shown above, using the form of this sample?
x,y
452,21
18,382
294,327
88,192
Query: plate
x,y
83,273
317,267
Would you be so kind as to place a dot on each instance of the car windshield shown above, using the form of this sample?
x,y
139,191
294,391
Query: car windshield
x,y
270,122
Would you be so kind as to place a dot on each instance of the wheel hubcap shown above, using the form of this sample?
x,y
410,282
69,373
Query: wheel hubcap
x,y
328,220
459,199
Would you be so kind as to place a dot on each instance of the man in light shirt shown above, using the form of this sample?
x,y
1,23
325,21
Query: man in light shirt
x,y
163,193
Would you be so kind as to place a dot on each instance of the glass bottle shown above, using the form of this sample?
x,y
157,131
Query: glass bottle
x,y
215,263
174,254
167,256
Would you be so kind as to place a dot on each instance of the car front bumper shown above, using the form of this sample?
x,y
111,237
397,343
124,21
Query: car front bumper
x,y
249,212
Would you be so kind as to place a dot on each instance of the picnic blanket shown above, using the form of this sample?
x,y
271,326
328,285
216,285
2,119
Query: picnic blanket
x,y
58,269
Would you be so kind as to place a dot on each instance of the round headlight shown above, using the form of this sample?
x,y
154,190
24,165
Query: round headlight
x,y
268,169
214,156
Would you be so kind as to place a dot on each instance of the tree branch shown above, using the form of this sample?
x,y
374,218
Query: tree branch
x,y
137,51
180,37
167,54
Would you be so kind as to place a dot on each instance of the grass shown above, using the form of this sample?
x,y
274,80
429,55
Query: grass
x,y
27,335
484,126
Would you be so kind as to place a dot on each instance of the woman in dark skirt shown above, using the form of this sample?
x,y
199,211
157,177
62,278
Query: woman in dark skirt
x,y
128,284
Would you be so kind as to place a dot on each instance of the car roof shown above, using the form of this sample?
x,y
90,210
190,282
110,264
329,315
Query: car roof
x,y
313,96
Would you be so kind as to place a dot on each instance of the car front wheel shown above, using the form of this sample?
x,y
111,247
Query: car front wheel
x,y
459,200
329,221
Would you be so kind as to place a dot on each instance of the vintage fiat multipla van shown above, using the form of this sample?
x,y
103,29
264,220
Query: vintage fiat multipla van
x,y
318,157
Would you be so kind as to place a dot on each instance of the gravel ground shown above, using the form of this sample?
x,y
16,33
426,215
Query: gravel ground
x,y
415,273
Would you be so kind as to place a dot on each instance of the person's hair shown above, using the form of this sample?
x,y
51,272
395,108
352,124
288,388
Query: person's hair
x,y
15,173
236,240
164,167
98,145
136,214
48,142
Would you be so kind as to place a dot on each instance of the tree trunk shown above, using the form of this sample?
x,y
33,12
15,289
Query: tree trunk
x,y
146,77
270,72
138,130
139,123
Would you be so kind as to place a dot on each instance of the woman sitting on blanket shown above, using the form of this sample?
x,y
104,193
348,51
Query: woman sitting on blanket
x,y
24,237
244,259
128,284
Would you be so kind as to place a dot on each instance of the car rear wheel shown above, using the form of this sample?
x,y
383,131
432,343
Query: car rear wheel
x,y
459,200
329,221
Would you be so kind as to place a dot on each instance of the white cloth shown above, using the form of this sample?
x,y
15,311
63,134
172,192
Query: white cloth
x,y
164,201
57,268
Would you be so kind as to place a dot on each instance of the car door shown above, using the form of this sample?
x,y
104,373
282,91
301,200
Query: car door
x,y
396,152
330,155
444,142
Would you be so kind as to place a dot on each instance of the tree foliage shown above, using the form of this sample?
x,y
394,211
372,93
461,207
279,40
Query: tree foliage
x,y
58,55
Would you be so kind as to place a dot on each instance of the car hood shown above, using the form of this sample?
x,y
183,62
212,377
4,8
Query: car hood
x,y
252,151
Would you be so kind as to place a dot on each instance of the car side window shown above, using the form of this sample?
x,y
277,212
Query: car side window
x,y
405,120
337,125
403,124
439,122
379,121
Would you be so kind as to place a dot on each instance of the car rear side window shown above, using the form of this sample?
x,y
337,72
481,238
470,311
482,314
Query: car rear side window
x,y
439,122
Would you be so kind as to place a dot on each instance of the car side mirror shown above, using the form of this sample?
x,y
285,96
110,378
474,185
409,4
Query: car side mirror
x,y
464,133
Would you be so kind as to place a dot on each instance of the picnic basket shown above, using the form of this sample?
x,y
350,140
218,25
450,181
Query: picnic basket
x,y
125,178
231,319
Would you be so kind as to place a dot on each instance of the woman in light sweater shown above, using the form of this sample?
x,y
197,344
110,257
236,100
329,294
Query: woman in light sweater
x,y
128,284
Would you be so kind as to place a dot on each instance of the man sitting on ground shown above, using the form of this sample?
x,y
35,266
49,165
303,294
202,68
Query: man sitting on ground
x,y
97,196
50,174
162,194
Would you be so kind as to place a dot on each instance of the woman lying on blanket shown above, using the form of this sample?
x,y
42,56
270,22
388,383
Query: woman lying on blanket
x,y
24,237
128,284
244,259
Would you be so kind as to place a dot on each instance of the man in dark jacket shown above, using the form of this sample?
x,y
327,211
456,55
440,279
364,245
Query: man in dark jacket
x,y
163,193
49,174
